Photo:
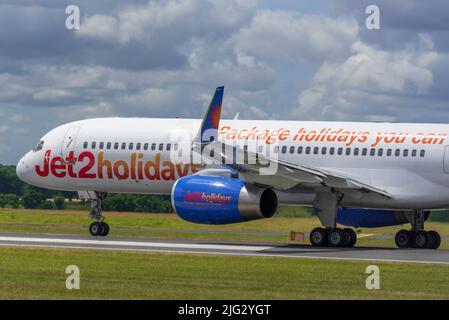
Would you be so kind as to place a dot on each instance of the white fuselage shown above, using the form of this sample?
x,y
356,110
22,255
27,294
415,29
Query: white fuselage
x,y
410,161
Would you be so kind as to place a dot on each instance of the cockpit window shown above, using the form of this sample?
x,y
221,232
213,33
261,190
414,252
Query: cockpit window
x,y
39,146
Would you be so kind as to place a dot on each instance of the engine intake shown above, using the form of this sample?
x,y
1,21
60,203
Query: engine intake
x,y
221,200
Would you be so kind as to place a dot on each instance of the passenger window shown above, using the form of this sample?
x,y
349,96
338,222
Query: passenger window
x,y
85,145
340,151
405,153
169,147
422,153
284,149
116,145
323,150
101,145
364,151
123,145
315,150
131,146
397,152
108,145
308,149
138,146
332,150
94,144
161,146
414,153
300,150
372,152
153,146
380,152
175,147
389,152
145,146
356,151
292,149
348,151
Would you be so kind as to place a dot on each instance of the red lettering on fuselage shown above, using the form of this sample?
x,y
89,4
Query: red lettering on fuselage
x,y
92,167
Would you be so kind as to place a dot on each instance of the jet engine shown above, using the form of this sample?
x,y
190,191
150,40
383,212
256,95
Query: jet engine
x,y
221,200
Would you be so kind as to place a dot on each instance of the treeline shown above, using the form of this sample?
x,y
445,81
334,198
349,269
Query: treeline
x,y
16,194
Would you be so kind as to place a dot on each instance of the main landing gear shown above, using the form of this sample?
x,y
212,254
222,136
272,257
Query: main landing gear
x,y
98,227
326,206
417,237
333,237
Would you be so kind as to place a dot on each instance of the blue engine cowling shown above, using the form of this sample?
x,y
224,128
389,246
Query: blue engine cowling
x,y
221,200
371,218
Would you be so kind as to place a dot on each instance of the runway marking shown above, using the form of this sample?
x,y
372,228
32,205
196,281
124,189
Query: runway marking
x,y
365,235
138,244
278,251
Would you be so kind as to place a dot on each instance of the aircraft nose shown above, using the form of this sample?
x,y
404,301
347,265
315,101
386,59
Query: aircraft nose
x,y
22,168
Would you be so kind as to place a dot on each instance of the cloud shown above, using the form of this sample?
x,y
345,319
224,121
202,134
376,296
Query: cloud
x,y
296,37
372,84
163,58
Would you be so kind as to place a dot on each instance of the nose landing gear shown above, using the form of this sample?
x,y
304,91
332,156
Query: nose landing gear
x,y
98,227
417,237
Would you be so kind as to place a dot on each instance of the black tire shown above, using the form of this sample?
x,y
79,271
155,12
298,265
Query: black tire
x,y
420,239
318,237
352,237
435,241
403,238
336,238
95,229
104,229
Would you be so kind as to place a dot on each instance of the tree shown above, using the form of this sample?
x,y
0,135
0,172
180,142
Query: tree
x,y
33,198
9,200
10,183
59,201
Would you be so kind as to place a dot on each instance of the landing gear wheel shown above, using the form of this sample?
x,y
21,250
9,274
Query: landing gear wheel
x,y
95,229
336,238
318,237
403,238
104,229
420,239
435,240
350,237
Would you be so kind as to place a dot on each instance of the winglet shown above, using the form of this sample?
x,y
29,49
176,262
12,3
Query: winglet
x,y
211,121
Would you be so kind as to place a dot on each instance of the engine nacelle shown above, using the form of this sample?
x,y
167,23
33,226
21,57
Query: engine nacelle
x,y
371,218
221,200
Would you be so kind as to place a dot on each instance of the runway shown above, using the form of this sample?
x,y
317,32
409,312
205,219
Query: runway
x,y
226,248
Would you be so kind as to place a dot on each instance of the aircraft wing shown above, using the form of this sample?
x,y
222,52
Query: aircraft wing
x,y
259,169
279,174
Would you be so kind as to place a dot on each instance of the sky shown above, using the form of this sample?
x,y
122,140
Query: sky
x,y
295,60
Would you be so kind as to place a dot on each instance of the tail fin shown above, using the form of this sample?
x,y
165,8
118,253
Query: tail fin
x,y
211,121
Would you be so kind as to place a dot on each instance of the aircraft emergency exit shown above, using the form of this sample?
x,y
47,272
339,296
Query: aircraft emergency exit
x,y
355,174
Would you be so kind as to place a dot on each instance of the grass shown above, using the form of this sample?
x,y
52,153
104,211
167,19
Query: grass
x,y
171,226
40,274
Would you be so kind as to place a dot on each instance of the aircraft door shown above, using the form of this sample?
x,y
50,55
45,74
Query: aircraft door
x,y
68,144
446,160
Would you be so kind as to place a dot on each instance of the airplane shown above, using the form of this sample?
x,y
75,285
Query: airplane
x,y
353,174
